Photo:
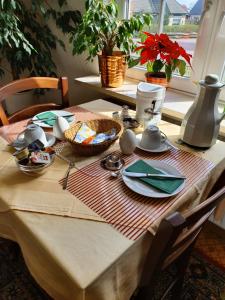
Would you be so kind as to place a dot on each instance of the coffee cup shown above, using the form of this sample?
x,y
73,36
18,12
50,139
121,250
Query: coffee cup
x,y
152,138
32,133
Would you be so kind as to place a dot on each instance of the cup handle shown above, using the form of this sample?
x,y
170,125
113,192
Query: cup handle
x,y
163,137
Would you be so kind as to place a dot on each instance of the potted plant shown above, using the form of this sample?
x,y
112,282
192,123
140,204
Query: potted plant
x,y
163,57
101,32
26,41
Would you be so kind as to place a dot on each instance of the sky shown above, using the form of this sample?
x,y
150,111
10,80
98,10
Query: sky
x,y
188,3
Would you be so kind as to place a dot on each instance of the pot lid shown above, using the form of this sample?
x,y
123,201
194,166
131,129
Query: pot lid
x,y
212,80
150,90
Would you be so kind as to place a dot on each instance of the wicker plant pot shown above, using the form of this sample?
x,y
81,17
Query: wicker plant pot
x,y
101,125
112,69
157,78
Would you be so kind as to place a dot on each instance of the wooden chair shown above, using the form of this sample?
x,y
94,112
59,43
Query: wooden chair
x,y
28,84
173,243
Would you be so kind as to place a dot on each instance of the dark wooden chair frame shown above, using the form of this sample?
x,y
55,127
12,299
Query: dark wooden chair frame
x,y
28,84
173,243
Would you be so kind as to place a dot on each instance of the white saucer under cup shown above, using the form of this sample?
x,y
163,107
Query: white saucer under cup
x,y
163,147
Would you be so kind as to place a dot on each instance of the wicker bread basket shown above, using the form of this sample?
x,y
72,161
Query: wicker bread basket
x,y
101,125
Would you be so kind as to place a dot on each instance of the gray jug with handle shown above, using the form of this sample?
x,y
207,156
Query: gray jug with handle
x,y
200,126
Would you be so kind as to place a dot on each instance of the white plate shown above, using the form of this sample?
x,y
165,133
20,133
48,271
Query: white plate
x,y
162,148
141,188
19,143
59,113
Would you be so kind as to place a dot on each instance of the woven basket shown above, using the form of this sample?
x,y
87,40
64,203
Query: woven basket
x,y
112,69
101,125
157,78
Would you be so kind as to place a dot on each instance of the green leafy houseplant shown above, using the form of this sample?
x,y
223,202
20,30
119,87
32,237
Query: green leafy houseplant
x,y
26,42
101,31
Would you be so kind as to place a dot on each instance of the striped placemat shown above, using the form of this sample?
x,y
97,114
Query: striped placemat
x,y
129,212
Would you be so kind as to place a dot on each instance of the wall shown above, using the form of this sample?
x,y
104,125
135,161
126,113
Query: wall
x,y
75,66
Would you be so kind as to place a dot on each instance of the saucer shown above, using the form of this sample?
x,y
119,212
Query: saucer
x,y
162,148
20,143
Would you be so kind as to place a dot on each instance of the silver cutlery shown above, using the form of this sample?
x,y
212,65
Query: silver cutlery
x,y
71,165
150,175
168,143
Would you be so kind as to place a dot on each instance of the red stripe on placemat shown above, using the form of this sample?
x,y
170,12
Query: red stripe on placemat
x,y
129,212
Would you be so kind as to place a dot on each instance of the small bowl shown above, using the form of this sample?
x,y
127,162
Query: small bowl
x,y
112,162
34,169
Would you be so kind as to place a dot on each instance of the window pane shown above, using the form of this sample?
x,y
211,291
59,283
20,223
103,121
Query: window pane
x,y
146,6
181,20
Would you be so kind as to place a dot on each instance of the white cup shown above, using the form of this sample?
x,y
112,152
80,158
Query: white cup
x,y
152,138
34,132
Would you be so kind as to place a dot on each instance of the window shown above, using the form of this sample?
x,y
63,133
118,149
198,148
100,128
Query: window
x,y
198,26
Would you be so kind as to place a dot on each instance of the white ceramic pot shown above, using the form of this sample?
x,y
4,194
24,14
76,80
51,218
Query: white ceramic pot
x,y
128,142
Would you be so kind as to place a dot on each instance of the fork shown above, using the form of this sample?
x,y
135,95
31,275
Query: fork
x,y
71,165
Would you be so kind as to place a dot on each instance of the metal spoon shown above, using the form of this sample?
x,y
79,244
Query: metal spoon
x,y
170,144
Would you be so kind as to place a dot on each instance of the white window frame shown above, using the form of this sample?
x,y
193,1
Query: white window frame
x,y
207,58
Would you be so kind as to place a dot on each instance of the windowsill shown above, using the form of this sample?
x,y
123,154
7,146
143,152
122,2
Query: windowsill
x,y
175,106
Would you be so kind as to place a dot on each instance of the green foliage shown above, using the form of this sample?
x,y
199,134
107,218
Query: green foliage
x,y
158,66
101,30
186,28
25,39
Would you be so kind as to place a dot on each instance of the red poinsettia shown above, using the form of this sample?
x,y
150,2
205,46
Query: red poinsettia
x,y
159,51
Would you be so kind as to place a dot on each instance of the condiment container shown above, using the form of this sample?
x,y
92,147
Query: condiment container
x,y
128,142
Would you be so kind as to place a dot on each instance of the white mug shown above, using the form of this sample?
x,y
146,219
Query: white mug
x,y
152,138
34,132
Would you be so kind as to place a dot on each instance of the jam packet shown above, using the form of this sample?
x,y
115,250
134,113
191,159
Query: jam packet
x,y
39,157
105,136
84,133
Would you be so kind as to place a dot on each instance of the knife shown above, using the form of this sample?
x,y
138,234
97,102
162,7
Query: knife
x,y
160,176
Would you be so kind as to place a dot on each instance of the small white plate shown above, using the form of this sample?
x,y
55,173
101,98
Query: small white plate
x,y
141,188
20,143
59,113
162,148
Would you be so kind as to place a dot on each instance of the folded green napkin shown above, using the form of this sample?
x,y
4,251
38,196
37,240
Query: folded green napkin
x,y
166,185
47,115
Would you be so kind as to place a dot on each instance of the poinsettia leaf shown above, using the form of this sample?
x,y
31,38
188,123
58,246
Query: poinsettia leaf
x,y
182,67
168,70
150,66
157,65
175,64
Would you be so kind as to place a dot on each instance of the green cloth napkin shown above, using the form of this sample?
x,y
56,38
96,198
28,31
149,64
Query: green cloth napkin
x,y
47,115
165,185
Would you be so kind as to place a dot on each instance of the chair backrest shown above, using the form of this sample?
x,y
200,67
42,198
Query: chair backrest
x,y
32,83
175,235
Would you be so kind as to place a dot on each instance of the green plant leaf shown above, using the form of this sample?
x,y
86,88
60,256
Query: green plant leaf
x,y
182,67
157,65
133,62
150,66
168,70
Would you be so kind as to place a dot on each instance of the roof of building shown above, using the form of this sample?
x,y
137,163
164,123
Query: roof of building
x,y
197,8
175,7
153,6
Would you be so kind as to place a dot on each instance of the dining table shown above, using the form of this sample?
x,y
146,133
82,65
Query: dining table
x,y
90,240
